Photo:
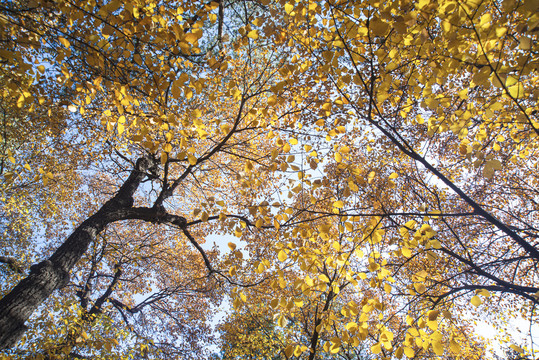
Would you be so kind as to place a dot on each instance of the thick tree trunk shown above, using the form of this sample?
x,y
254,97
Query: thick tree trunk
x,y
53,273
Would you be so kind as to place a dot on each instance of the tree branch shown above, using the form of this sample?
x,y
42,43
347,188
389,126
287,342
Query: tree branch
x,y
11,263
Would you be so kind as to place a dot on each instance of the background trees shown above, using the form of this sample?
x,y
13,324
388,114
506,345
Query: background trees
x,y
376,161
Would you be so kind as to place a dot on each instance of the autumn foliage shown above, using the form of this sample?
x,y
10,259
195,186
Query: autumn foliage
x,y
367,170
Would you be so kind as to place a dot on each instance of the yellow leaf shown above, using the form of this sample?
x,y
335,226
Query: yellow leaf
x,y
272,100
108,30
525,43
121,129
20,101
409,352
192,160
516,91
454,346
511,80
232,246
282,256
204,216
476,301
485,21
376,349
288,8
274,303
253,34
481,76
406,252
420,288
378,27
435,244
334,349
289,350
483,292
516,348
286,147
422,3
338,204
323,278
191,38
433,315
437,347
64,42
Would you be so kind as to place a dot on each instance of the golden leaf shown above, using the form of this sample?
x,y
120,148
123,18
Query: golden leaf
x,y
476,301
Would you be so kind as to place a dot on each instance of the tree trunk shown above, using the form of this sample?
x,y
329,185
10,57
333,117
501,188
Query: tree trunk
x,y
53,273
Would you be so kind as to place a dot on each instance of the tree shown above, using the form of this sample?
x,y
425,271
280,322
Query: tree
x,y
225,139
392,69
377,159
390,94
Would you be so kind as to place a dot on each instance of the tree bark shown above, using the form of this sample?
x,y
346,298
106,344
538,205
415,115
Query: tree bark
x,y
51,274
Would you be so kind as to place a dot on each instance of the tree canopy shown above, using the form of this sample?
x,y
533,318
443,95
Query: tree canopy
x,y
372,165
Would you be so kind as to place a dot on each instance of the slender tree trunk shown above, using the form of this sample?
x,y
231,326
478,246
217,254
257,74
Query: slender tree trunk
x,y
53,273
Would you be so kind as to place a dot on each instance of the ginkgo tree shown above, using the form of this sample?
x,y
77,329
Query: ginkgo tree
x,y
378,160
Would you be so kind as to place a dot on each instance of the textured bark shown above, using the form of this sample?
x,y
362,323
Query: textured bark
x,y
53,273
